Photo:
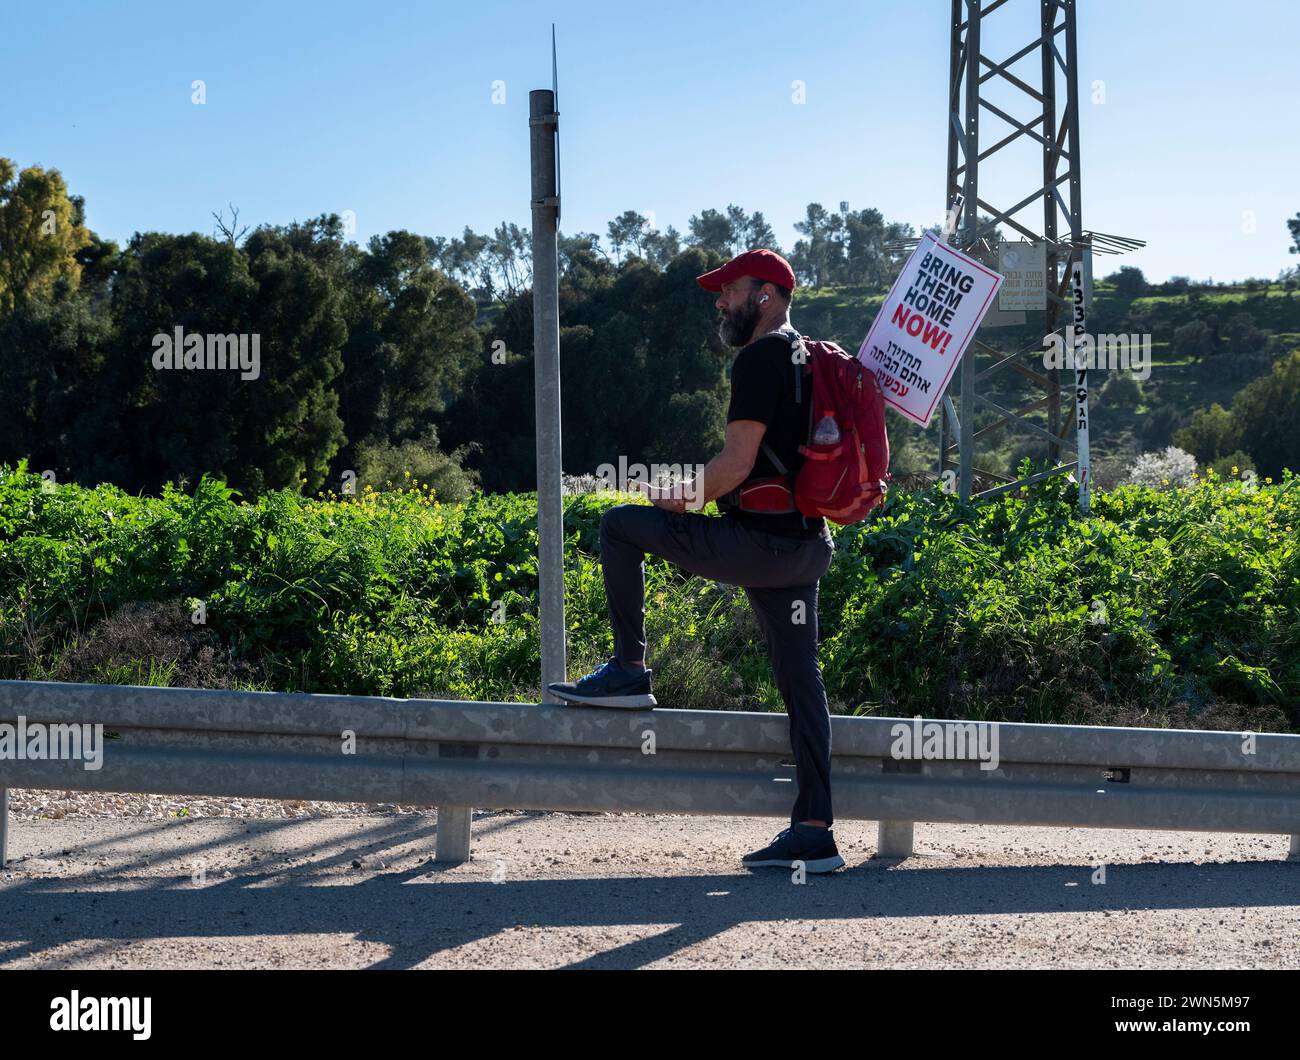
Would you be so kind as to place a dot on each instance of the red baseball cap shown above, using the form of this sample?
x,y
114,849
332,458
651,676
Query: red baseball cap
x,y
765,265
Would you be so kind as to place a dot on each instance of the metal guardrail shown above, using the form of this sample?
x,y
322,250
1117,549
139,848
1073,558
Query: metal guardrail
x,y
522,756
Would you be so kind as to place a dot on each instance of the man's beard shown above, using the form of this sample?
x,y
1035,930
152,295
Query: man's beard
x,y
737,326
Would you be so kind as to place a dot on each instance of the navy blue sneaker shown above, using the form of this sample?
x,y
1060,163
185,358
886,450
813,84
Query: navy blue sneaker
x,y
609,686
815,847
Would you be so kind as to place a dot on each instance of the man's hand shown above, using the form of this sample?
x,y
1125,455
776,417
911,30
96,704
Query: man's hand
x,y
670,498
720,475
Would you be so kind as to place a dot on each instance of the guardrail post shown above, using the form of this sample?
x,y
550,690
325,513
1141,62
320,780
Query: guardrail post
x,y
1295,848
894,839
4,828
453,834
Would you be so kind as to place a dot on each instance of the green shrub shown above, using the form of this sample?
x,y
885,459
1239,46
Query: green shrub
x,y
1179,604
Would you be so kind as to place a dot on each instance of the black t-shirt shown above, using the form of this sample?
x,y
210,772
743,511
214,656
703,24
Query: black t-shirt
x,y
762,389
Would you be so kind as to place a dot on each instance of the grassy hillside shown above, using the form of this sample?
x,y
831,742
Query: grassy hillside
x,y
1178,385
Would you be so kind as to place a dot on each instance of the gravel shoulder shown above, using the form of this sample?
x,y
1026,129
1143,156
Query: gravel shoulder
x,y
115,881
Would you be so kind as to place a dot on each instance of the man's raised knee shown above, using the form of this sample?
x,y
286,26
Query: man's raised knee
x,y
615,517
610,517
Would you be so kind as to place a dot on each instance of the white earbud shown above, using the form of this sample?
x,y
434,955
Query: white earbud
x,y
763,299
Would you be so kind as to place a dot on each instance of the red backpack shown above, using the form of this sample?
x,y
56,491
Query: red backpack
x,y
842,479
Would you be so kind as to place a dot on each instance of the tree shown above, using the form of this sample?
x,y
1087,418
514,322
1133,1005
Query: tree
x,y
750,232
53,356
712,231
229,230
815,259
662,247
895,232
758,233
463,260
411,343
1294,226
1211,434
1129,282
510,258
98,260
847,247
1267,413
41,233
629,229
275,426
1240,335
1123,391
1194,339
866,261
645,334
291,428
581,258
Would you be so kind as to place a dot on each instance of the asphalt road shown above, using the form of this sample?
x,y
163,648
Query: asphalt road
x,y
607,891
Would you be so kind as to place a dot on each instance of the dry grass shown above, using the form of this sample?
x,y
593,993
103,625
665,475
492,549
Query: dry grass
x,y
154,644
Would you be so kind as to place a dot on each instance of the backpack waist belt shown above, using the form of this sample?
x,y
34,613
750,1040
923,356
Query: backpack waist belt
x,y
769,496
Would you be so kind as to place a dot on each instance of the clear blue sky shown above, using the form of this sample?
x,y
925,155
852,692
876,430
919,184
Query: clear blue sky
x,y
384,108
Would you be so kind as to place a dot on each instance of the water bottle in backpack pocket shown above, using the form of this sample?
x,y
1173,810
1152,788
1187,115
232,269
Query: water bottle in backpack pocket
x,y
823,481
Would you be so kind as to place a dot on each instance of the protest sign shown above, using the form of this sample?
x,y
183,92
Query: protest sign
x,y
925,324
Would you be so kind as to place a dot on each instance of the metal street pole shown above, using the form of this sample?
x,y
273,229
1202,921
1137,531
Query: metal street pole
x,y
543,126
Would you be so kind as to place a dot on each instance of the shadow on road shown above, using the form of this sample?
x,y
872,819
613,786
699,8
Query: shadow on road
x,y
422,911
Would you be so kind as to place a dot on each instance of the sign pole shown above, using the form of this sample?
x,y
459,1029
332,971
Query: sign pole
x,y
1079,280
1079,361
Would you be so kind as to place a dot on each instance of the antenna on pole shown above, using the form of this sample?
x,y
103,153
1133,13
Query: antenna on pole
x,y
555,92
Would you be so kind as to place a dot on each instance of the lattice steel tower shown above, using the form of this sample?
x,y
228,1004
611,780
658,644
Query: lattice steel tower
x,y
1051,87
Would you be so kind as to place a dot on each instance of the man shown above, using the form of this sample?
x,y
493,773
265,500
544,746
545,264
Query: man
x,y
777,558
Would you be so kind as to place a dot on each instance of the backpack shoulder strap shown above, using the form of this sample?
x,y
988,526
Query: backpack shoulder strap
x,y
799,366
796,342
795,339
776,462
